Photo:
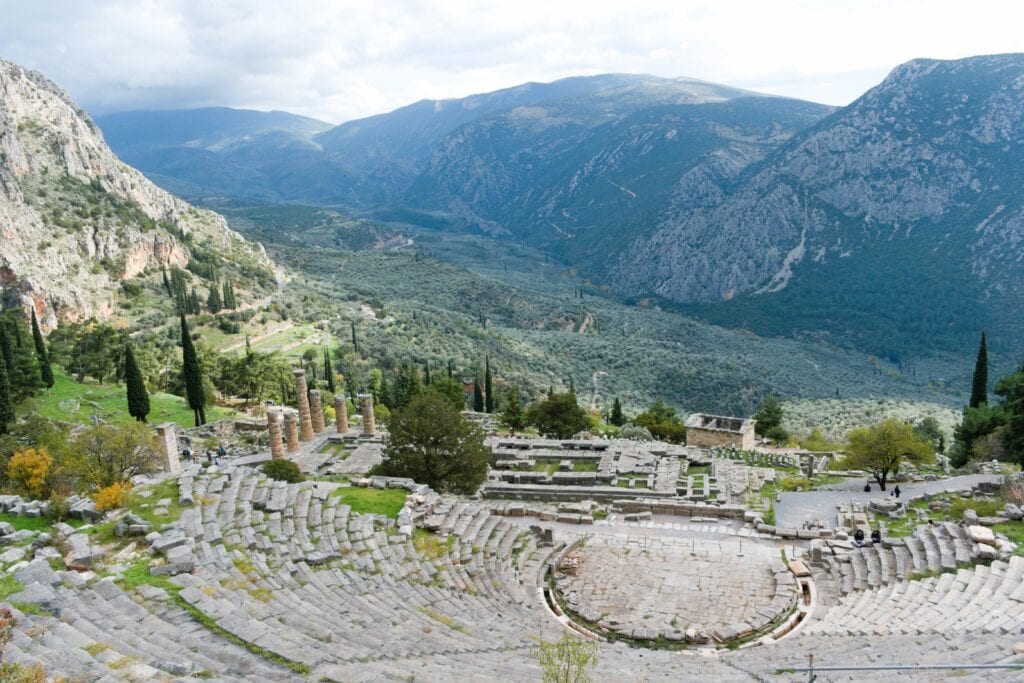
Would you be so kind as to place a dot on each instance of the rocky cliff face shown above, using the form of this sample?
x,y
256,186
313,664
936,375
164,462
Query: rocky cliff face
x,y
934,155
74,220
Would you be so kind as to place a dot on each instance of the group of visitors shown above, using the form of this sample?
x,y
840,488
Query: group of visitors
x,y
895,492
212,456
858,537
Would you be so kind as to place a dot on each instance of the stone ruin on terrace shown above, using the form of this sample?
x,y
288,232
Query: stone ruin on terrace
x,y
714,431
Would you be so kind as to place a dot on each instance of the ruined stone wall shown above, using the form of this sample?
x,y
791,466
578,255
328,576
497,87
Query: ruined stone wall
x,y
715,438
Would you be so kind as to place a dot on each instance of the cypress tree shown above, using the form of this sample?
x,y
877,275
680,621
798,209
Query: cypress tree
x,y
192,374
426,373
451,375
45,371
6,349
167,283
213,301
572,386
979,384
355,342
194,303
6,402
488,387
138,397
478,396
228,298
616,417
329,371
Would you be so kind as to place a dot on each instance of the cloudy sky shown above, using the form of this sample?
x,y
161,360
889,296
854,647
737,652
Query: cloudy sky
x,y
340,59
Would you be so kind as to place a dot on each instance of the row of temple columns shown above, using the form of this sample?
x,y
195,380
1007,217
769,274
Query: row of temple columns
x,y
308,420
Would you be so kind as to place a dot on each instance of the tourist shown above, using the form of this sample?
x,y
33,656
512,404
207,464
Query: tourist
x,y
876,536
221,451
896,491
858,537
187,453
867,487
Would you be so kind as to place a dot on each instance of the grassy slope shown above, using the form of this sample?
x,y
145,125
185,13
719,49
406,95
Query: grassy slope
x,y
70,401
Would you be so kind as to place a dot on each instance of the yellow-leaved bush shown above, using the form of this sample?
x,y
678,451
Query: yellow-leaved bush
x,y
28,469
113,496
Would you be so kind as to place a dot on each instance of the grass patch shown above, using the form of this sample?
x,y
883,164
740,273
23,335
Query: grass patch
x,y
338,450
446,620
144,506
9,586
371,501
32,523
70,401
138,574
584,466
31,608
430,546
1014,531
96,648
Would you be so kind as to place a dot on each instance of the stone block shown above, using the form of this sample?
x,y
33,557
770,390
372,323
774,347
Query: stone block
x,y
798,568
980,534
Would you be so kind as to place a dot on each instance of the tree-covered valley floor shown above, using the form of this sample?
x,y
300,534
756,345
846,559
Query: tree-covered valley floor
x,y
415,295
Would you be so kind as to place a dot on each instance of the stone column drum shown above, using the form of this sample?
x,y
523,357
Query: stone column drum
x,y
340,413
369,424
316,410
167,436
291,430
303,402
274,430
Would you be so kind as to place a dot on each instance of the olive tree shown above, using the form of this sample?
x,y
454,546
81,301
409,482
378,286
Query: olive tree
x,y
883,447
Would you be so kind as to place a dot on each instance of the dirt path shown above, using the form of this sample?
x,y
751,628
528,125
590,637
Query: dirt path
x,y
587,322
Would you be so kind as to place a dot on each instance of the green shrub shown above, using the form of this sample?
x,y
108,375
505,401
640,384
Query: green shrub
x,y
283,470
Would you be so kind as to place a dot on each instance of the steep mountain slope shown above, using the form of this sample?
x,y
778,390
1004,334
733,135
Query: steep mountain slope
x,y
584,177
76,222
905,208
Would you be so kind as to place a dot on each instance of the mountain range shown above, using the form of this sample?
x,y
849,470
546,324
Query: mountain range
x,y
894,225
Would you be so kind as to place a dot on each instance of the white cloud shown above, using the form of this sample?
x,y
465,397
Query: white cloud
x,y
342,60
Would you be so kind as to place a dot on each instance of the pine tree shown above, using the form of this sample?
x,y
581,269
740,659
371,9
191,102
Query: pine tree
x,y
617,418
6,402
979,384
513,415
45,371
192,375
213,301
478,396
138,397
488,387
